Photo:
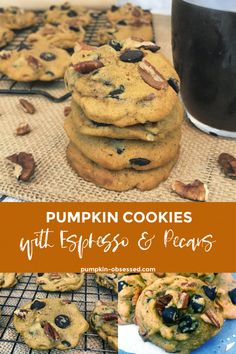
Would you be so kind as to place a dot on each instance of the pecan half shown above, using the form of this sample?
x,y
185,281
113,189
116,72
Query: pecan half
x,y
67,111
228,164
162,301
151,75
34,62
23,129
183,301
21,313
54,276
50,331
110,316
88,66
24,165
27,106
210,317
196,191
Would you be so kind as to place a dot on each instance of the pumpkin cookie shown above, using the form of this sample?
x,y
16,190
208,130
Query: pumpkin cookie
x,y
61,36
104,320
123,83
16,18
39,62
129,13
60,281
117,180
6,36
108,280
50,323
177,314
67,14
8,280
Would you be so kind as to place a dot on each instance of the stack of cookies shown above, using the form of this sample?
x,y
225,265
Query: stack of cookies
x,y
125,121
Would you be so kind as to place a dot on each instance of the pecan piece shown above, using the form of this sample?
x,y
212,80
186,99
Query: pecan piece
x,y
86,67
183,301
5,54
228,164
210,317
197,190
27,106
23,129
110,316
151,76
65,302
50,331
21,313
34,62
162,301
24,165
67,111
54,276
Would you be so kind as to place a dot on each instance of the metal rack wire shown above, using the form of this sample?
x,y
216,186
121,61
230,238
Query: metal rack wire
x,y
10,87
27,290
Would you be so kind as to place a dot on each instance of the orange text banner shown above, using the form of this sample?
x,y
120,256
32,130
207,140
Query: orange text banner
x,y
171,237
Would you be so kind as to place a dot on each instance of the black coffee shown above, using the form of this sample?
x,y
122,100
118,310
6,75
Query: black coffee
x,y
204,53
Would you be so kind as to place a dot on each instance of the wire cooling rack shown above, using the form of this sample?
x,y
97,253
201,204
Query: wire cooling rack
x,y
27,290
55,90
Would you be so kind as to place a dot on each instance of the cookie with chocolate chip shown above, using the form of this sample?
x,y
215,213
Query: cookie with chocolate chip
x,y
104,320
67,14
6,36
8,280
16,18
113,154
150,131
50,323
34,62
123,83
60,281
108,280
177,314
61,36
123,180
129,13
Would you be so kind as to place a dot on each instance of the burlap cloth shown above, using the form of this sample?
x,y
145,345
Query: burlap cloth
x,y
56,181
26,290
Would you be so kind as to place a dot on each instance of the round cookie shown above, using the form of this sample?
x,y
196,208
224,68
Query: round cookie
x,y
6,36
65,13
130,287
147,132
175,314
50,323
123,83
8,280
122,154
39,62
60,281
104,320
108,280
61,36
117,180
129,13
16,18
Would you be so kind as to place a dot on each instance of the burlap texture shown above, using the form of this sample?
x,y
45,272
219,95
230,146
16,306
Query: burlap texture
x,y
55,180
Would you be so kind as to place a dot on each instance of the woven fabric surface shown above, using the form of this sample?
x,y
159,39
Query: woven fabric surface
x,y
55,180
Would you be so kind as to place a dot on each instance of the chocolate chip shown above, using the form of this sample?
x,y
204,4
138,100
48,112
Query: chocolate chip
x,y
121,285
74,28
210,292
115,93
152,47
170,315
40,274
1,10
114,8
139,161
72,13
122,23
52,7
120,151
98,124
132,56
197,303
162,301
65,6
232,295
115,45
37,305
66,343
47,56
174,84
62,321
187,324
